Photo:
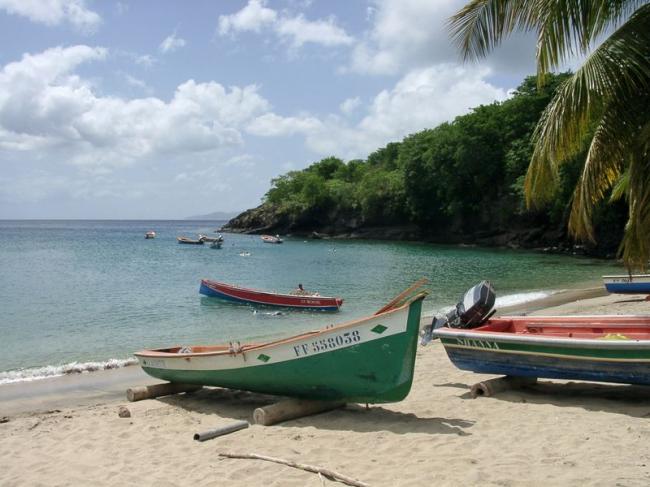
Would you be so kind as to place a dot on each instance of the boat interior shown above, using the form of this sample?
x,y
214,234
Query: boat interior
x,y
611,327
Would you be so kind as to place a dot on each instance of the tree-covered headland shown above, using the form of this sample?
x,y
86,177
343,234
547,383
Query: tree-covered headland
x,y
462,181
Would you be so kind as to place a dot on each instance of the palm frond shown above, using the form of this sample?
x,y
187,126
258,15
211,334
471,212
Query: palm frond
x,y
635,246
605,162
482,25
620,187
570,27
615,73
564,27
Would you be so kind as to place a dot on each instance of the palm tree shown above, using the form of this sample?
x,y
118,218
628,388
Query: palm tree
x,y
605,103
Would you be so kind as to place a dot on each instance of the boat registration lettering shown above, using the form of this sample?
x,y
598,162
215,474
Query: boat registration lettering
x,y
154,362
329,343
471,342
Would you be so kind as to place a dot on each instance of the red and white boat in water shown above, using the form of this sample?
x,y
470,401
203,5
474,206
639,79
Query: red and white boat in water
x,y
238,294
271,239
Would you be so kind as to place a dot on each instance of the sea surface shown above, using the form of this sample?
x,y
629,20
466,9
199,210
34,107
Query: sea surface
x,y
78,296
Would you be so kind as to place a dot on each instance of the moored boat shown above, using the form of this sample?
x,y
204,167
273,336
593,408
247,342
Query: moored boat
x,y
208,239
274,239
606,348
369,360
253,296
628,284
150,234
185,240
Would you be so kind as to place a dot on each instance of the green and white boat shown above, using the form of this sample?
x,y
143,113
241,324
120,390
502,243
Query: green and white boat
x,y
369,360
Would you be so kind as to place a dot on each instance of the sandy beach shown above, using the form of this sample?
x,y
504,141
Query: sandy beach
x,y
66,431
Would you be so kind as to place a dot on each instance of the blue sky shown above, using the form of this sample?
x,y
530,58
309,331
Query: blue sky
x,y
158,109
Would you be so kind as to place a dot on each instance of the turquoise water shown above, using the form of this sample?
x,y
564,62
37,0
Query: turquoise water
x,y
91,291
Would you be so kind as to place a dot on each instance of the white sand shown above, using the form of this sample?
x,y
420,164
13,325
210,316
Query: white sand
x,y
556,433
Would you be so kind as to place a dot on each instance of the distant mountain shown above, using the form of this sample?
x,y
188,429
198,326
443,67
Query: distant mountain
x,y
217,215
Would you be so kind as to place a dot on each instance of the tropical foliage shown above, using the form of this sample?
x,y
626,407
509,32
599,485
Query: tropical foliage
x,y
463,178
602,110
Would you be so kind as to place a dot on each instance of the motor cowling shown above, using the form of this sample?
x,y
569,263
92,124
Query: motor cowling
x,y
475,307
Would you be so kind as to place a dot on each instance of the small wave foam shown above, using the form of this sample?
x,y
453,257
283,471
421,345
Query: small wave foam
x,y
503,301
514,299
48,371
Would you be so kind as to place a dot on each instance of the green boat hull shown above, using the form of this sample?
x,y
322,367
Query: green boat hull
x,y
376,370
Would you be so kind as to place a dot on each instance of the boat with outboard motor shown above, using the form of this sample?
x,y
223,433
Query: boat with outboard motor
x,y
208,239
605,348
368,360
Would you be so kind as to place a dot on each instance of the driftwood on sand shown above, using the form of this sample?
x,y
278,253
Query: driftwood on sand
x,y
330,474
223,430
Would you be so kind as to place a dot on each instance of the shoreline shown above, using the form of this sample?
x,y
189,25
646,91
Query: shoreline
x,y
77,368
109,385
558,432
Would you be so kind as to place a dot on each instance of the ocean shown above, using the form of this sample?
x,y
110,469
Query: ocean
x,y
78,296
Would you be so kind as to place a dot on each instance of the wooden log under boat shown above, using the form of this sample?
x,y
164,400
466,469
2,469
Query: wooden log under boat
x,y
291,409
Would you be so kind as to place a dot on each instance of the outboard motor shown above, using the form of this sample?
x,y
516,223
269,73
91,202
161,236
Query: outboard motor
x,y
474,309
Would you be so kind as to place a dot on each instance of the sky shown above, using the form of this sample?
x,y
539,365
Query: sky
x,y
160,109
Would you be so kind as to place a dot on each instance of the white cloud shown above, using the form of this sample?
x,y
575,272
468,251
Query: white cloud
x,y
422,99
405,33
300,31
54,12
171,43
296,30
252,17
44,104
411,34
272,125
350,105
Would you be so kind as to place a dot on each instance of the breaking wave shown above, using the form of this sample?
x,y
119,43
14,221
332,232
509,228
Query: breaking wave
x,y
48,371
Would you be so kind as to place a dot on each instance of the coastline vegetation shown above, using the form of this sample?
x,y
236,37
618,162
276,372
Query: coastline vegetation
x,y
462,181
600,114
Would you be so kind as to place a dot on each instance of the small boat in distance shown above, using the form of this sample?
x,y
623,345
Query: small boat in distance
x,y
368,360
185,240
253,296
628,284
150,234
271,239
205,238
600,348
